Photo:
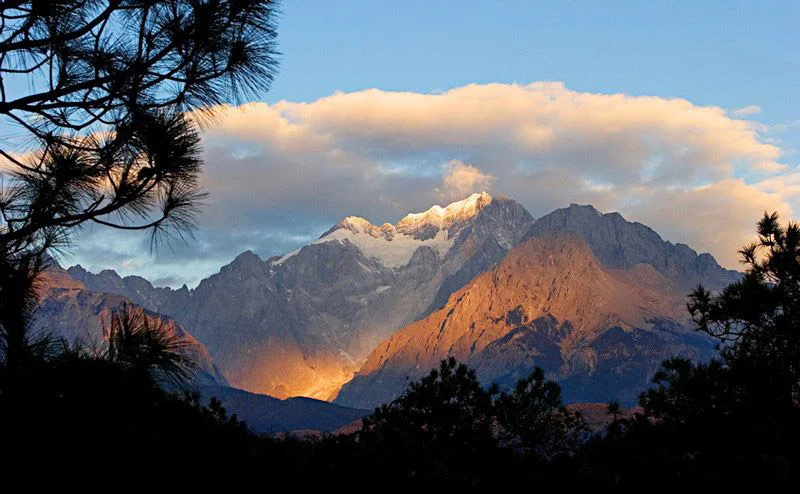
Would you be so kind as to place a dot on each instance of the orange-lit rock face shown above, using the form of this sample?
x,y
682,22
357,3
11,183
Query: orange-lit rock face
x,y
558,276
55,277
303,323
68,310
282,371
516,312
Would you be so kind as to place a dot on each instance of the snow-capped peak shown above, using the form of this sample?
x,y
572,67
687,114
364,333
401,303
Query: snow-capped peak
x,y
445,217
394,245
356,224
420,225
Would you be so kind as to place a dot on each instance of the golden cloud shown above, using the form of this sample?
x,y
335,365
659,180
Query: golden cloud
x,y
695,173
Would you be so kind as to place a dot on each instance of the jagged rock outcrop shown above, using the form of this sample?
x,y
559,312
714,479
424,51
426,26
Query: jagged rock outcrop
x,y
137,289
623,244
302,324
69,310
600,331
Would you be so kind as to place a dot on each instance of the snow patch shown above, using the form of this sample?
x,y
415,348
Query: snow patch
x,y
285,257
392,252
443,217
394,245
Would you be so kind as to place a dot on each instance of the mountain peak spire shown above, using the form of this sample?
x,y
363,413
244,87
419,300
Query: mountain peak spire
x,y
442,217
420,225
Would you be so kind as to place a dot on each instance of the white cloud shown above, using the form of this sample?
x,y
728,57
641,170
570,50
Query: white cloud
x,y
719,218
379,154
747,110
460,180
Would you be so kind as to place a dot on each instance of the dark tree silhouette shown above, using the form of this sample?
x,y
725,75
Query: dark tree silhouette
x,y
533,419
105,134
439,430
614,409
143,344
106,130
100,107
757,319
448,430
18,301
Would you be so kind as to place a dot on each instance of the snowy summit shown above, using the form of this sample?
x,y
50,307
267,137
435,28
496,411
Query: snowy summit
x,y
394,245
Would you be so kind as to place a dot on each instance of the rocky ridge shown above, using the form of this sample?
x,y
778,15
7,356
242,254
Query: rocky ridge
x,y
69,310
602,332
302,324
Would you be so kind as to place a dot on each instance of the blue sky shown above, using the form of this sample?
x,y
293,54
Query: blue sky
x,y
724,53
274,189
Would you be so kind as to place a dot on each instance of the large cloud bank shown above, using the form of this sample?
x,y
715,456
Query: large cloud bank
x,y
281,174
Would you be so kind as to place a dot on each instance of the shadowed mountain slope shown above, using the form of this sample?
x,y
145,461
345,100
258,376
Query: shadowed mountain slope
x,y
68,310
267,415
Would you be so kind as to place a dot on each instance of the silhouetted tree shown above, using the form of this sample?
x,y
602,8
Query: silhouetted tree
x,y
533,419
439,430
105,119
139,343
448,430
105,134
18,301
757,319
614,409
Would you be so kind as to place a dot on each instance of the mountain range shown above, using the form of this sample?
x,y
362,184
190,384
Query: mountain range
x,y
302,324
550,303
78,315
598,301
70,311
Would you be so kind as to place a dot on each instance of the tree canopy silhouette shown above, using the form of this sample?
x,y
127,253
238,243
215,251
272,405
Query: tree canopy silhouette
x,y
448,429
533,418
757,319
105,134
440,428
142,344
734,420
100,108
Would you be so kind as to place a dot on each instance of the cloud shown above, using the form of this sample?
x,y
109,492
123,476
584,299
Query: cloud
x,y
460,180
719,218
747,110
541,125
281,174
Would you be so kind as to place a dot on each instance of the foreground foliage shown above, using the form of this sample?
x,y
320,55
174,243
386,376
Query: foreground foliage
x,y
735,420
448,430
123,418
